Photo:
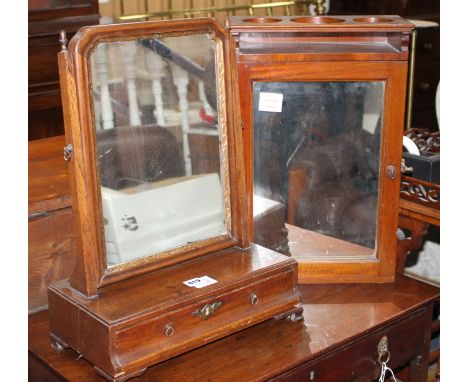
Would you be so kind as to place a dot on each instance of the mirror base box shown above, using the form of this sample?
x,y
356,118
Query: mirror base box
x,y
147,319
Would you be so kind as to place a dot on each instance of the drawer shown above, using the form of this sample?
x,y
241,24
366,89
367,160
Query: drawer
x,y
182,328
358,362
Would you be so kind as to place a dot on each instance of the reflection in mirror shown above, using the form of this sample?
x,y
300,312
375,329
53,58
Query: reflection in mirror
x,y
316,168
158,144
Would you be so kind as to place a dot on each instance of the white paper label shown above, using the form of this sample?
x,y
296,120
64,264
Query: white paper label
x,y
200,282
272,102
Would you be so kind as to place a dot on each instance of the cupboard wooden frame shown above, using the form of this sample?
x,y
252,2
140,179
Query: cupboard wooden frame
x,y
265,52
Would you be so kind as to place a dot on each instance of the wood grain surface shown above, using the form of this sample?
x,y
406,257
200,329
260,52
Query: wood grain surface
x,y
336,317
48,183
51,240
125,329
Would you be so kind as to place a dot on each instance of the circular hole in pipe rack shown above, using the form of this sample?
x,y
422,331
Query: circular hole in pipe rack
x,y
261,20
318,20
373,20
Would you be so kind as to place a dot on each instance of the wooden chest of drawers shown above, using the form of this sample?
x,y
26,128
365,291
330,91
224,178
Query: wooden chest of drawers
x,y
359,361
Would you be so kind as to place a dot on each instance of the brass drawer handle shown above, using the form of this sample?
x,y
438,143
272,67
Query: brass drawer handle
x,y
383,358
168,330
208,310
254,299
382,350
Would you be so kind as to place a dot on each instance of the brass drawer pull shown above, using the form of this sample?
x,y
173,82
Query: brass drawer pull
x,y
208,310
383,358
168,330
254,299
382,350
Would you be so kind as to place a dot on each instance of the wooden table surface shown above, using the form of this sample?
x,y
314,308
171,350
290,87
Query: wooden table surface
x,y
334,316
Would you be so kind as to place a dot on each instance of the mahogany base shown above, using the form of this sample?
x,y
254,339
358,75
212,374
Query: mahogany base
x,y
145,320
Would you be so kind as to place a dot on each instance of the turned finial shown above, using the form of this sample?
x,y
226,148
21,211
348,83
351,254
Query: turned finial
x,y
63,40
320,7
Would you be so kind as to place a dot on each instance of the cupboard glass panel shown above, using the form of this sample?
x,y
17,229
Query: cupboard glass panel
x,y
316,168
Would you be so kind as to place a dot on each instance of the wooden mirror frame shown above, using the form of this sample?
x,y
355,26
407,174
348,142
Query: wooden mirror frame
x,y
91,271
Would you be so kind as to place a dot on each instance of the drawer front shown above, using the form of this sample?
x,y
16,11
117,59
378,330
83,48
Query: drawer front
x,y
358,362
193,326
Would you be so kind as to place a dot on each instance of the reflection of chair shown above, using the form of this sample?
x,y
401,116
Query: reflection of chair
x,y
332,187
129,156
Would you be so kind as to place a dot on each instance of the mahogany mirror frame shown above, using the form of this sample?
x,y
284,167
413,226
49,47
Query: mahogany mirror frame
x,y
91,271
308,67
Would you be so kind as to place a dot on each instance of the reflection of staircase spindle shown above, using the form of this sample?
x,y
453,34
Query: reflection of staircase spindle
x,y
202,95
128,52
181,81
107,114
156,67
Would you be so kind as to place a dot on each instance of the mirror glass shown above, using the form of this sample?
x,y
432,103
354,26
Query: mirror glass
x,y
316,168
163,178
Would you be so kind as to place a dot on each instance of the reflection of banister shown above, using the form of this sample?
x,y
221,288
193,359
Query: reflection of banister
x,y
182,61
117,105
230,9
106,113
181,81
156,68
128,54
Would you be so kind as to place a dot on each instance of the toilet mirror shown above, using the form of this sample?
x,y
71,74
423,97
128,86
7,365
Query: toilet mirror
x,y
154,141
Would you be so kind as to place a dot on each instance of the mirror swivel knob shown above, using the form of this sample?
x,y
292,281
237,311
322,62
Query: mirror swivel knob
x,y
67,152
